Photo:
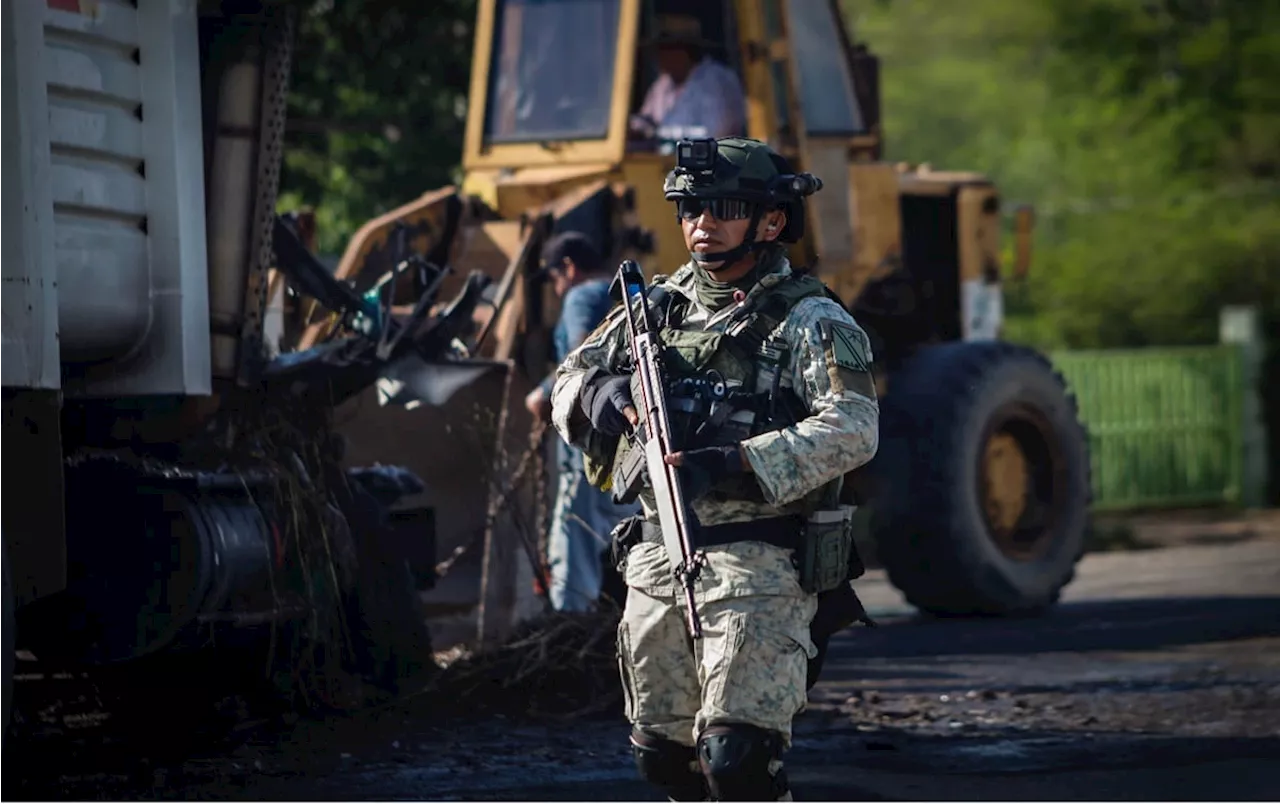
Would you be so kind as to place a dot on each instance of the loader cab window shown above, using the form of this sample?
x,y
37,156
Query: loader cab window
x,y
675,37
551,77
826,87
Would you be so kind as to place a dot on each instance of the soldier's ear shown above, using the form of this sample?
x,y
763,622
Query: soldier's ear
x,y
774,222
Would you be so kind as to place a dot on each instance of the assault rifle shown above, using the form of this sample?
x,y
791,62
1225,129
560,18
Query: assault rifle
x,y
675,516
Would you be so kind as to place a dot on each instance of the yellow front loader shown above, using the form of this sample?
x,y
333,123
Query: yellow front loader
x,y
978,499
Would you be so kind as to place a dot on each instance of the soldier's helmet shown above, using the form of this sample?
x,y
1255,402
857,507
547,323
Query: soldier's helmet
x,y
740,178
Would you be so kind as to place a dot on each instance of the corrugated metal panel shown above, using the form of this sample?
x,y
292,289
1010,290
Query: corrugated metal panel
x,y
90,67
1164,424
126,177
108,22
86,126
99,193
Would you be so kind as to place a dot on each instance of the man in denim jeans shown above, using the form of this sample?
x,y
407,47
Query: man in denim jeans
x,y
583,515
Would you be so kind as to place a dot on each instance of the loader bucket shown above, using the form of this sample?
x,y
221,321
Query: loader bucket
x,y
460,425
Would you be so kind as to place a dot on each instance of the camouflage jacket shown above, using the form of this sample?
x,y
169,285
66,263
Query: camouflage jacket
x,y
840,433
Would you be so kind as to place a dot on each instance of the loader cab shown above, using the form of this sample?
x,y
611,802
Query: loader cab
x,y
715,22
555,83
793,58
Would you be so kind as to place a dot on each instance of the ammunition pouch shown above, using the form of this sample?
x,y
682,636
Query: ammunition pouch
x,y
629,470
829,562
827,555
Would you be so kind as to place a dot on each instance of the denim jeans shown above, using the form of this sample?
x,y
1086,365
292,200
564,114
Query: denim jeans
x,y
580,525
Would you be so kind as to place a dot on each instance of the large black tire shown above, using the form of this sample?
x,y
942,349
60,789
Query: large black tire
x,y
9,639
391,639
954,538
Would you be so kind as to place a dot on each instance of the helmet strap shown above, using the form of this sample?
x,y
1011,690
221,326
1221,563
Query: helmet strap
x,y
726,259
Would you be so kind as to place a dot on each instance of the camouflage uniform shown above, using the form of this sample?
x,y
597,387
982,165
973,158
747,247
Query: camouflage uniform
x,y
750,666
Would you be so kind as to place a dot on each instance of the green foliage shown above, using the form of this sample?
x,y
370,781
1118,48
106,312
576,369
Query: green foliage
x,y
1146,134
376,108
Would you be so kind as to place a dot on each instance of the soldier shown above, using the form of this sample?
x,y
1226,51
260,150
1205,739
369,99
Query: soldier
x,y
773,403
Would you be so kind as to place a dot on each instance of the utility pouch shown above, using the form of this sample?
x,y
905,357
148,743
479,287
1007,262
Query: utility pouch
x,y
625,535
629,473
826,549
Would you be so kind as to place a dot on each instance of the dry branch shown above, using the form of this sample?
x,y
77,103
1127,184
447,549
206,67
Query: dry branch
x,y
561,665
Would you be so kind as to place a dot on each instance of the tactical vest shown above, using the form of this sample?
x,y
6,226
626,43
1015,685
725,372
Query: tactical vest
x,y
712,379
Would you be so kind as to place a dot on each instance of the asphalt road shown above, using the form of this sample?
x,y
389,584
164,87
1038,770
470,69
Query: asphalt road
x,y
1157,678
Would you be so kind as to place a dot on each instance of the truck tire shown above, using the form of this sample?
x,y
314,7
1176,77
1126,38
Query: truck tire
x,y
391,639
9,639
982,484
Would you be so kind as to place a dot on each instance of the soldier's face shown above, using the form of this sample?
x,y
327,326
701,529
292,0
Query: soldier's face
x,y
706,234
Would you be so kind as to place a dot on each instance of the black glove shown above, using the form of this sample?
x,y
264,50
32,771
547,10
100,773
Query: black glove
x,y
604,396
705,468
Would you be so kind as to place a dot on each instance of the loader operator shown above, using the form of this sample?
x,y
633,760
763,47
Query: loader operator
x,y
772,403
695,95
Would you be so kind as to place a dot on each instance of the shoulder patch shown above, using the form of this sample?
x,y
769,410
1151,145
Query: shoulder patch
x,y
849,346
848,355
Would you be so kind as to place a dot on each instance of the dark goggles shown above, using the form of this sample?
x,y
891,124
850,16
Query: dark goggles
x,y
722,209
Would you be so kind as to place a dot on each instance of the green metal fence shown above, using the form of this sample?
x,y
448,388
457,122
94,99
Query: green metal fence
x,y
1165,425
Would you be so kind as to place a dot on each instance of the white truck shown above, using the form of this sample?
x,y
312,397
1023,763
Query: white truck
x,y
165,487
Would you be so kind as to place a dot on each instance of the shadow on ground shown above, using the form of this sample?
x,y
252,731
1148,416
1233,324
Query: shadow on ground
x,y
1128,625
1044,766
415,755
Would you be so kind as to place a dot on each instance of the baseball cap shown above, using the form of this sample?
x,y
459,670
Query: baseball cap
x,y
574,245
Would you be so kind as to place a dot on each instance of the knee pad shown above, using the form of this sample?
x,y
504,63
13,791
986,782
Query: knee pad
x,y
742,763
669,766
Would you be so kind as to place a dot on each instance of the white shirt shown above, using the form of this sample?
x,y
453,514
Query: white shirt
x,y
709,103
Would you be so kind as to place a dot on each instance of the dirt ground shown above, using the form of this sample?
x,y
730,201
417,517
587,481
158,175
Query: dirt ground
x,y
1157,678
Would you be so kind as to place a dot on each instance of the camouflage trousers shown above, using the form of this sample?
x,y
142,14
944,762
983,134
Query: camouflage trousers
x,y
750,665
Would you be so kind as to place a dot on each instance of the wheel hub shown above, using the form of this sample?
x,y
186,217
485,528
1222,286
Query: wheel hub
x,y
1005,479
1019,476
